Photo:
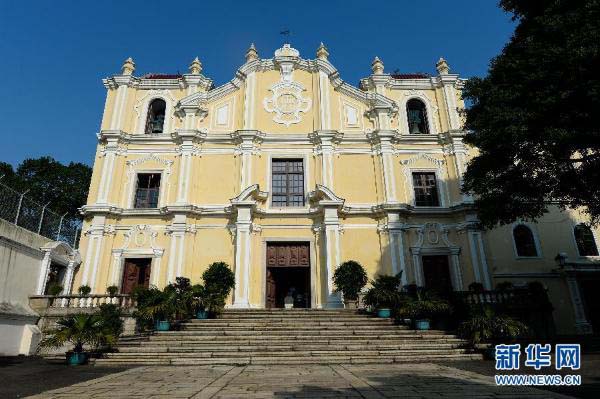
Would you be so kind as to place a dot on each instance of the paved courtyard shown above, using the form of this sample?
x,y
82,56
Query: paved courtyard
x,y
424,380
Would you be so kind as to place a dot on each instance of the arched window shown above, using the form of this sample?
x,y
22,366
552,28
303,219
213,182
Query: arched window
x,y
524,241
417,117
586,244
156,116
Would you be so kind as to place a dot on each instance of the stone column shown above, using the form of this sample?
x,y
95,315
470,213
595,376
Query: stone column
x,y
248,144
395,230
110,154
187,138
582,325
331,238
93,251
478,258
68,278
382,140
177,230
325,141
243,253
44,270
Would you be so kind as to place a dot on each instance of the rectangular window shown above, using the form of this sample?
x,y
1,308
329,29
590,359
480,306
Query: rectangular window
x,y
147,190
425,185
287,182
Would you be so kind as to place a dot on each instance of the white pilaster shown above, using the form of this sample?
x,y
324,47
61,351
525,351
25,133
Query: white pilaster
x,y
332,252
242,256
44,270
478,259
582,325
381,141
396,235
325,141
68,278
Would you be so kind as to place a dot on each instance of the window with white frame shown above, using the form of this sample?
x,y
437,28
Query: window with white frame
x,y
287,182
426,191
586,243
147,190
155,121
416,113
524,241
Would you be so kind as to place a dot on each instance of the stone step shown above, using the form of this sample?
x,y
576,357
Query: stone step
x,y
282,360
298,327
293,337
327,353
339,323
293,342
296,332
273,348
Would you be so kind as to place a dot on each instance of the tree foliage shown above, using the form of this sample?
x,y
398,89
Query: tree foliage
x,y
64,187
535,117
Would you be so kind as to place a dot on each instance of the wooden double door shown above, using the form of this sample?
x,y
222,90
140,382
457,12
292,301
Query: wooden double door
x,y
136,271
436,272
288,274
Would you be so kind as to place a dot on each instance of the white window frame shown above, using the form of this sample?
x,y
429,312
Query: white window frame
x,y
145,107
536,241
429,109
136,172
439,185
287,209
577,246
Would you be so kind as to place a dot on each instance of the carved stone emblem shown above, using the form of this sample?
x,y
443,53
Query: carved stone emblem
x,y
287,102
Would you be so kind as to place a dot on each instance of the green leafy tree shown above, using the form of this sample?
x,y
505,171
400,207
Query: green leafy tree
x,y
535,117
64,187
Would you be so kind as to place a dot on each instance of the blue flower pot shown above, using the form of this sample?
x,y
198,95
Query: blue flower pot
x,y
384,312
162,325
76,358
202,314
422,325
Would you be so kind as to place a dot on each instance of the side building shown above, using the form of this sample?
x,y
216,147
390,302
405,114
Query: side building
x,y
285,172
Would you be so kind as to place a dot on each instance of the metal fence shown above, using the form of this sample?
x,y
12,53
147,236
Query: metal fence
x,y
23,211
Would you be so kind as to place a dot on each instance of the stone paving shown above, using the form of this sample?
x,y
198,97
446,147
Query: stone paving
x,y
424,380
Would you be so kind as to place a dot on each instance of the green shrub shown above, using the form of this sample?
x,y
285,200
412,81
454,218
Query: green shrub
x,y
219,280
84,290
111,319
424,306
484,325
79,330
55,289
384,292
349,278
112,290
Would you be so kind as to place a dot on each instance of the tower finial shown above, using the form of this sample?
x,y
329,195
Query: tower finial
x,y
128,67
251,53
195,67
322,52
377,66
442,66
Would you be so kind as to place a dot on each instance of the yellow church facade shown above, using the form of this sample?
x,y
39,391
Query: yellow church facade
x,y
285,172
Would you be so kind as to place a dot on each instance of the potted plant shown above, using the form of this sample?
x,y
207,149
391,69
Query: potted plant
x,y
219,280
153,308
484,325
349,278
55,289
112,290
79,330
84,290
199,295
384,294
423,307
476,287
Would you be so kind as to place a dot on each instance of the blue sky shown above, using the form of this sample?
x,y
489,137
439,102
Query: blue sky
x,y
54,54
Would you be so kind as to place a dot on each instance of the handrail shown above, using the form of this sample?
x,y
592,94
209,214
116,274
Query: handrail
x,y
87,301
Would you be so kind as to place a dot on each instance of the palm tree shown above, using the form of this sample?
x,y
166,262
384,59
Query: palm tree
x,y
79,330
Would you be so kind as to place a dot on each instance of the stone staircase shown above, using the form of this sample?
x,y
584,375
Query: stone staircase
x,y
242,337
